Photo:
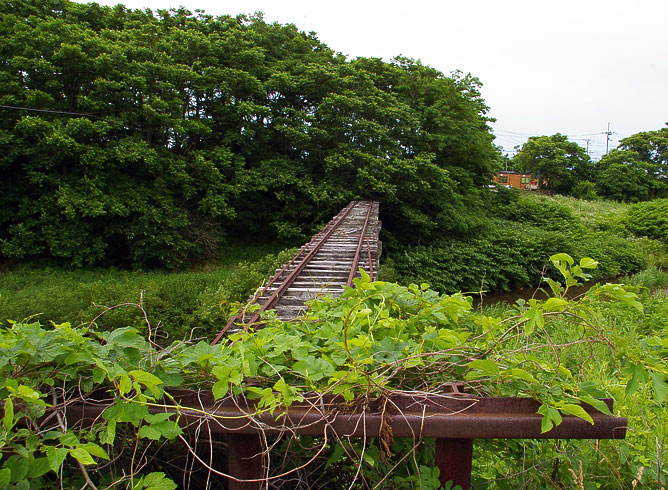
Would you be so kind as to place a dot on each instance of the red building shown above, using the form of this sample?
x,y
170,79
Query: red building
x,y
516,179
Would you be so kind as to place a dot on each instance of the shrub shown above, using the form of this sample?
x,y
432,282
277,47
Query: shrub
x,y
649,219
548,214
511,254
585,190
651,278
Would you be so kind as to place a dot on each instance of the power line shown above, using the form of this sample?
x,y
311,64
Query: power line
x,y
20,108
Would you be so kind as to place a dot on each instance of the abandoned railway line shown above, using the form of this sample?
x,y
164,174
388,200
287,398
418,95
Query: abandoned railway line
x,y
324,265
242,429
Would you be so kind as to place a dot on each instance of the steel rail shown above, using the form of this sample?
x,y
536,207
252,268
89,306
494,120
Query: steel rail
x,y
345,211
358,251
368,252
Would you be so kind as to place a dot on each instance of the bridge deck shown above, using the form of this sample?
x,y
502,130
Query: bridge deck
x,y
322,266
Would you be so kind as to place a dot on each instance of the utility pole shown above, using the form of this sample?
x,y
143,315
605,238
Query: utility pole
x,y
587,140
607,138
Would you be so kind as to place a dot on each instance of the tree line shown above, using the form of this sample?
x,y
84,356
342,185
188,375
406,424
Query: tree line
x,y
637,170
148,138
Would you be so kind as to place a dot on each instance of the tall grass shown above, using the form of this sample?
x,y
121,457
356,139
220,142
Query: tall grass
x,y
175,302
611,464
600,214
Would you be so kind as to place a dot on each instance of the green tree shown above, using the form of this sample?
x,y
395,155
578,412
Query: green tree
x,y
638,169
170,131
621,175
557,163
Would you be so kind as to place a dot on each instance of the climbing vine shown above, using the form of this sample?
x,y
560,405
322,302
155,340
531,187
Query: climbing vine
x,y
377,339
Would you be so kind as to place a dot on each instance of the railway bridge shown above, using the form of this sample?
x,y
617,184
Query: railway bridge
x,y
324,265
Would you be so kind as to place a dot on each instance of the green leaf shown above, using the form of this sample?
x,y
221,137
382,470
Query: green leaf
x,y
39,467
56,456
554,286
369,459
22,485
5,477
149,380
139,485
110,434
96,451
19,467
288,393
154,418
551,418
314,368
487,366
599,405
69,439
520,374
220,388
535,320
8,419
172,379
81,455
125,384
168,429
576,410
639,375
555,304
99,374
660,386
149,432
562,257
588,263
158,481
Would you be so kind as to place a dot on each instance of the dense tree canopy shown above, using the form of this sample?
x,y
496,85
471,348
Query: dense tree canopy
x,y
556,162
188,128
637,170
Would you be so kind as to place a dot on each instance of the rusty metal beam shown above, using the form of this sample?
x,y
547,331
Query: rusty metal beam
x,y
454,458
438,416
454,419
245,461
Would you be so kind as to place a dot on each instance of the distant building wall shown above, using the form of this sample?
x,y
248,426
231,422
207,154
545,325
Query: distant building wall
x,y
517,180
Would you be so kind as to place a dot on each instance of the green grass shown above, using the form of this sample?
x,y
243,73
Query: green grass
x,y
611,464
175,302
652,278
600,214
609,216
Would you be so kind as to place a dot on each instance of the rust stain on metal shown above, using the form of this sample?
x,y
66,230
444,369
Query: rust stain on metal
x,y
439,416
455,419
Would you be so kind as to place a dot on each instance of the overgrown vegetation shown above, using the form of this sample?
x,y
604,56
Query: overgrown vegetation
x,y
171,135
650,219
192,129
178,304
513,247
377,339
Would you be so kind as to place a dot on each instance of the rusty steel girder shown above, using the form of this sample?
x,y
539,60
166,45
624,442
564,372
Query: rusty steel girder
x,y
453,419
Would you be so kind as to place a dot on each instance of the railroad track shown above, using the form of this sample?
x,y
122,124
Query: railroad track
x,y
322,266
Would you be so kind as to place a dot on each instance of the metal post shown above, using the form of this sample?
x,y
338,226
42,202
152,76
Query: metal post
x,y
245,461
454,458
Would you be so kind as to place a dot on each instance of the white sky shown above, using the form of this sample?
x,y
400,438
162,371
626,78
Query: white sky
x,y
569,66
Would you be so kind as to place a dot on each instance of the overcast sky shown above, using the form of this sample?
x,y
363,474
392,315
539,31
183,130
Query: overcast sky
x,y
571,66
